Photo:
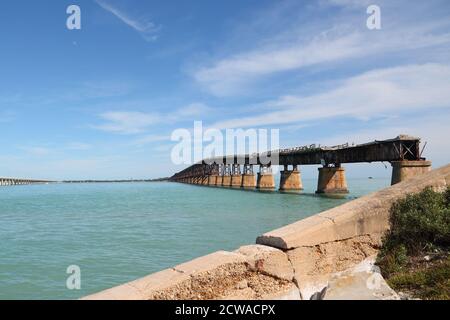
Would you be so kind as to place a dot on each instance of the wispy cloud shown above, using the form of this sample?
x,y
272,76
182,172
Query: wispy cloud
x,y
190,110
148,29
336,43
135,122
388,91
149,139
125,122
228,75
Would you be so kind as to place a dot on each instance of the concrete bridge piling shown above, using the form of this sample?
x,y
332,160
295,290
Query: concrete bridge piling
x,y
403,152
266,181
236,176
226,178
403,170
290,180
332,180
248,178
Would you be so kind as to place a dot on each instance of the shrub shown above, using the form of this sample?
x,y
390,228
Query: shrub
x,y
421,220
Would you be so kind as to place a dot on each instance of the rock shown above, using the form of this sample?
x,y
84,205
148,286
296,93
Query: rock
x,y
268,260
242,284
314,266
288,293
320,295
363,282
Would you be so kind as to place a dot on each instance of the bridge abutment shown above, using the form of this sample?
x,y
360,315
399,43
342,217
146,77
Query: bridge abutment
x,y
332,180
404,170
290,180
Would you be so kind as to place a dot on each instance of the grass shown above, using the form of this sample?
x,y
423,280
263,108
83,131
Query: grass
x,y
414,257
430,282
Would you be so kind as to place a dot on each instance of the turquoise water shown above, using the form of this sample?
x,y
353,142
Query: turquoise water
x,y
119,232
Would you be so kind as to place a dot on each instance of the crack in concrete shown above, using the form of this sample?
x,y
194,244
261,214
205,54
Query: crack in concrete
x,y
294,278
328,218
179,271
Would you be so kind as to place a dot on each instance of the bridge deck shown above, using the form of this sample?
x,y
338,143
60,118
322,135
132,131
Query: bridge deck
x,y
397,149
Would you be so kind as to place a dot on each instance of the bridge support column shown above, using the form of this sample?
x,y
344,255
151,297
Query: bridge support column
x,y
266,180
332,180
226,178
219,180
236,176
404,170
226,181
290,180
248,177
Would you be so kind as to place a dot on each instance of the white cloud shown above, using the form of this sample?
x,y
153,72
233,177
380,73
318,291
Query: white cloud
x,y
192,110
124,122
380,92
229,74
151,138
344,40
134,122
147,29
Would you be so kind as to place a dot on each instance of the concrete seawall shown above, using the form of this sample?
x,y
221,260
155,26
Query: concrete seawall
x,y
293,262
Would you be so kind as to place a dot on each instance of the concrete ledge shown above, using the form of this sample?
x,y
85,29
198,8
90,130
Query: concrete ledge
x,y
220,275
142,289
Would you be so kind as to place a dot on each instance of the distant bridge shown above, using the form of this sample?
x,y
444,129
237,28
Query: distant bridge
x,y
16,181
403,153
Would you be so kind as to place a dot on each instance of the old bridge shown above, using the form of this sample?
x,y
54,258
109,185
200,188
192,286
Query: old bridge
x,y
237,171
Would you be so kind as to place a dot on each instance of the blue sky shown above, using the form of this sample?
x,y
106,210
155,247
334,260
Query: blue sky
x,y
102,102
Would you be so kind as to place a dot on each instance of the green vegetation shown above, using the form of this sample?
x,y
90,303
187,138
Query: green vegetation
x,y
415,257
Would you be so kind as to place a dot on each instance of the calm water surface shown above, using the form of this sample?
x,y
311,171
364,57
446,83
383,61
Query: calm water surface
x,y
119,232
